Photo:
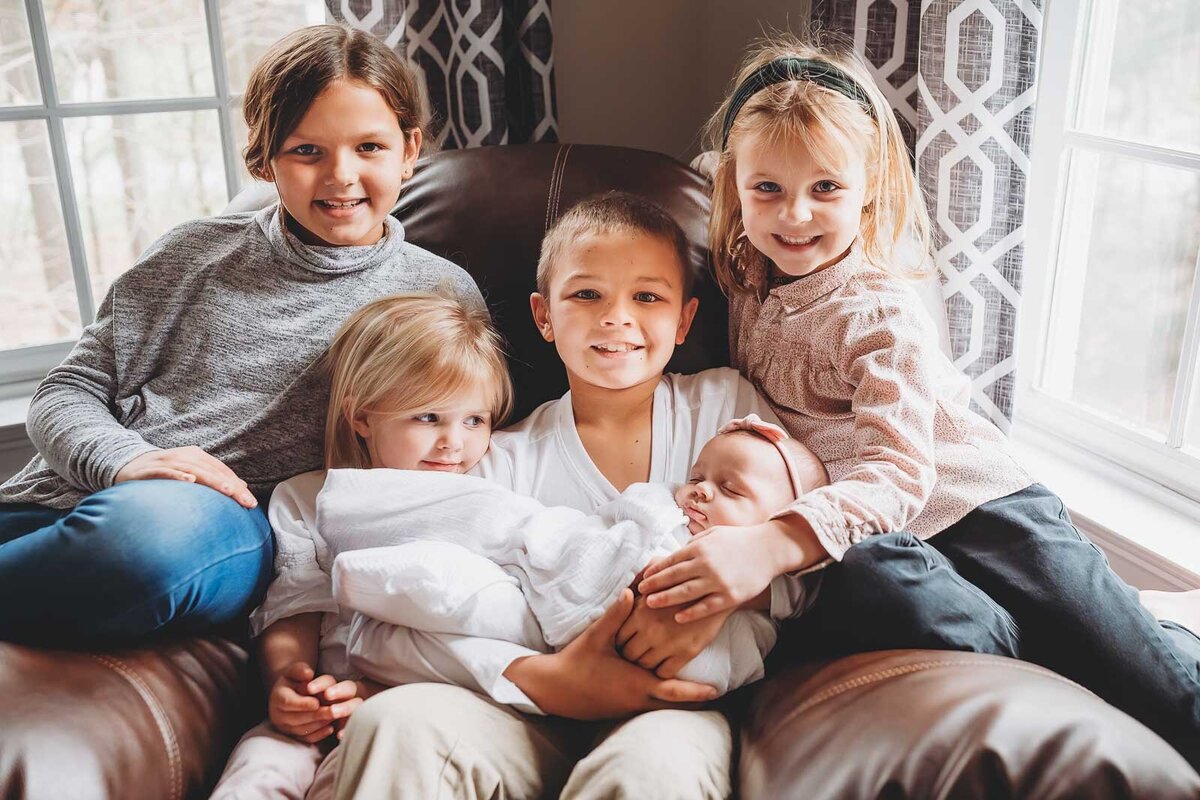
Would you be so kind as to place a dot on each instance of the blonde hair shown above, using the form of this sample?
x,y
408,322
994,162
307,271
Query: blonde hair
x,y
833,128
404,353
605,214
298,67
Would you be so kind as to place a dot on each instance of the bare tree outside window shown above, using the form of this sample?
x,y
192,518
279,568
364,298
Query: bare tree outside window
x,y
141,140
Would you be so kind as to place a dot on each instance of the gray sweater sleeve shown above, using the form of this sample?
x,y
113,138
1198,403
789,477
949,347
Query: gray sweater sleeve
x,y
71,417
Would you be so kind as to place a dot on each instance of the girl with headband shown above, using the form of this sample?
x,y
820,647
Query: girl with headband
x,y
817,221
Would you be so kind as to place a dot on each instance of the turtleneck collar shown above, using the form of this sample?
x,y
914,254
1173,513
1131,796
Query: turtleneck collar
x,y
329,260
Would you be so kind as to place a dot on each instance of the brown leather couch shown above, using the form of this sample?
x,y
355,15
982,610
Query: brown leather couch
x,y
157,722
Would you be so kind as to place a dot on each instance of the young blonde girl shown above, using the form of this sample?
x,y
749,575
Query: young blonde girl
x,y
417,381
938,538
196,389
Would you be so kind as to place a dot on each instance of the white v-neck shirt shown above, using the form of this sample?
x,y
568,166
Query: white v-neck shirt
x,y
543,457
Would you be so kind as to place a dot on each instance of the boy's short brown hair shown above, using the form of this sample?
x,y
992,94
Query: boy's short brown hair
x,y
609,213
298,67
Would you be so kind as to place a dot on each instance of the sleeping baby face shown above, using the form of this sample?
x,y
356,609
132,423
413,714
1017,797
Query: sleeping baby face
x,y
739,479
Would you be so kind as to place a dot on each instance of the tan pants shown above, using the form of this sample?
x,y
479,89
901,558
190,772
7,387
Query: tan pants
x,y
438,741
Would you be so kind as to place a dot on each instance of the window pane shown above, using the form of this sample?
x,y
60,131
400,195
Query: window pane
x,y
129,49
18,71
136,176
241,137
37,294
1141,78
249,27
1122,285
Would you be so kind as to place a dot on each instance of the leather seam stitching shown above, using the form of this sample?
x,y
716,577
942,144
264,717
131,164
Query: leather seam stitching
x,y
550,190
170,744
875,677
556,181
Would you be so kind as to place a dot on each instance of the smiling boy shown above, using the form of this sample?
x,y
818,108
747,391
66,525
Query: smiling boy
x,y
615,298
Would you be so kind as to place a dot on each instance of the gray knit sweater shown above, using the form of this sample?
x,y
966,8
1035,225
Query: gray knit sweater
x,y
213,339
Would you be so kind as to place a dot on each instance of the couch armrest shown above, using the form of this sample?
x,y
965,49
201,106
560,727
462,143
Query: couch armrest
x,y
922,724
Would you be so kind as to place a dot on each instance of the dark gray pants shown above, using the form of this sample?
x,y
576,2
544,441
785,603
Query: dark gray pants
x,y
1014,578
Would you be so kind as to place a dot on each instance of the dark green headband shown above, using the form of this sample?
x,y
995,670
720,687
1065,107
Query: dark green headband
x,y
782,70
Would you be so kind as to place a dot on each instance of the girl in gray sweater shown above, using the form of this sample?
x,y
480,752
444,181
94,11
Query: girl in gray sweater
x,y
198,386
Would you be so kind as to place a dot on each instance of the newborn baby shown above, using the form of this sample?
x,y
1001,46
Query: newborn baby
x,y
458,555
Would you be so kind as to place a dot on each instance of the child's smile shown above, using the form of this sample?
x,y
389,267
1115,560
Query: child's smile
x,y
616,310
799,214
339,172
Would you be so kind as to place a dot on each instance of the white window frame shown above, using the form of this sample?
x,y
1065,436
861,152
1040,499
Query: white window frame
x,y
1063,54
20,366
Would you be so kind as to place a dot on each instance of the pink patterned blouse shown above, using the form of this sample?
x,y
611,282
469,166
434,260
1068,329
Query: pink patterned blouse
x,y
849,360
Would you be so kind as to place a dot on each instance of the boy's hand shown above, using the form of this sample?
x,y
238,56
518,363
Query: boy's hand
x,y
588,679
653,639
309,708
190,464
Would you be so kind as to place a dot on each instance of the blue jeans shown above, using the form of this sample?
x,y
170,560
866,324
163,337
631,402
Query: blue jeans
x,y
129,561
1014,578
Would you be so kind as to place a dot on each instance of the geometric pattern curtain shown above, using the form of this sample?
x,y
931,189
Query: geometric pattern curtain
x,y
488,65
962,76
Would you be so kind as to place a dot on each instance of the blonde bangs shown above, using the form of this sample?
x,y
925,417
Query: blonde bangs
x,y
405,353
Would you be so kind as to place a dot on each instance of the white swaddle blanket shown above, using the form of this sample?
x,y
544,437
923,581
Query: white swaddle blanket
x,y
457,554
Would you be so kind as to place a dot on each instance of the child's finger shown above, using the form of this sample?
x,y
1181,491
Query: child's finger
x,y
651,660
310,719
288,699
659,564
668,577
670,668
168,474
319,735
340,691
299,672
345,709
712,604
685,592
677,691
635,650
320,683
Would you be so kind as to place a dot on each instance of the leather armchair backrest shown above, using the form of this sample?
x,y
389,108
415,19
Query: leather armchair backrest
x,y
486,209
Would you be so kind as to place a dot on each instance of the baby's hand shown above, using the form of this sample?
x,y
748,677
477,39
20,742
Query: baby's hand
x,y
305,707
652,638
190,464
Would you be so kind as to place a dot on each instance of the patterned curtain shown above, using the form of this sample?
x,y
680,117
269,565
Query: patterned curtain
x,y
962,75
488,64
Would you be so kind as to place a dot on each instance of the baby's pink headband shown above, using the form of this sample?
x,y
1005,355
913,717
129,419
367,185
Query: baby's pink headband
x,y
773,434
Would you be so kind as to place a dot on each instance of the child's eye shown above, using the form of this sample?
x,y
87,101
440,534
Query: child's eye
x,y
825,187
428,417
371,147
475,421
587,294
646,297
729,490
769,187
305,150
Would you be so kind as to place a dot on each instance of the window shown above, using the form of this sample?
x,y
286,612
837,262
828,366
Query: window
x,y
1110,327
118,120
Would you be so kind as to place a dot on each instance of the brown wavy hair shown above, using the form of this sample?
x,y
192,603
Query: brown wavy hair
x,y
298,67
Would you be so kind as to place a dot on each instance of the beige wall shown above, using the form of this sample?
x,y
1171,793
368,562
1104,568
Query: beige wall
x,y
648,73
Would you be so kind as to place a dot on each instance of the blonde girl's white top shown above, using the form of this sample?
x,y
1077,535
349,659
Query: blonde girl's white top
x,y
849,360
